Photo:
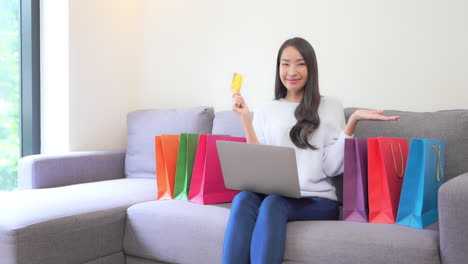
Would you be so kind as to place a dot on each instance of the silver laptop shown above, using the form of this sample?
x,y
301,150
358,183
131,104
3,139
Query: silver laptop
x,y
259,168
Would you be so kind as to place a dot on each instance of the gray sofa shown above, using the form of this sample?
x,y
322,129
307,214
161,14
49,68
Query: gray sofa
x,y
100,207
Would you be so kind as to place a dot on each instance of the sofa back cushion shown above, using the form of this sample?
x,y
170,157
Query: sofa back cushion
x,y
448,125
228,123
144,125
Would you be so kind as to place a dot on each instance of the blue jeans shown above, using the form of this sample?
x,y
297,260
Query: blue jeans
x,y
256,231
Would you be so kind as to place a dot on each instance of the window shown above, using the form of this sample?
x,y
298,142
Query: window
x,y
19,86
9,93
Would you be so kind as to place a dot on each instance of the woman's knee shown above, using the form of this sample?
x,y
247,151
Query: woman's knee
x,y
275,203
245,198
275,199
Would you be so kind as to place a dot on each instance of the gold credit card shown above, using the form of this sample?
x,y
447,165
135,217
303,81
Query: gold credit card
x,y
236,83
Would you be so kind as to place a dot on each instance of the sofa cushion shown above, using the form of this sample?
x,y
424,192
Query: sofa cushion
x,y
176,231
116,258
448,125
352,242
71,224
184,232
144,125
137,260
228,123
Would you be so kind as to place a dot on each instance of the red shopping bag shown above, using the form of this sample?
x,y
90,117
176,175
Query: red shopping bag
x,y
386,166
167,147
207,186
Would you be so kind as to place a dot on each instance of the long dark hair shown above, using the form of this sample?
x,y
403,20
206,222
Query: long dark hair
x,y
306,112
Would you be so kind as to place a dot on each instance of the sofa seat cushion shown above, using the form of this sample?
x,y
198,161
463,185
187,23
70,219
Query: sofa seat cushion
x,y
176,231
70,224
352,242
27,207
183,232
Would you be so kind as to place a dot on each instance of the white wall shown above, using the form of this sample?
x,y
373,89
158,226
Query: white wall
x,y
54,76
104,66
90,73
134,54
408,55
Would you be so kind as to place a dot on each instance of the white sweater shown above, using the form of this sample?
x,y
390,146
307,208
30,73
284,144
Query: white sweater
x,y
272,123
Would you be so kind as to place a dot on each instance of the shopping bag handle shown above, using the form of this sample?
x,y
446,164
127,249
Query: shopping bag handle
x,y
399,175
439,166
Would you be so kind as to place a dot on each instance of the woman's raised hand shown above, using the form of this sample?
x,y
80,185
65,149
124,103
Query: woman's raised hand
x,y
363,114
238,105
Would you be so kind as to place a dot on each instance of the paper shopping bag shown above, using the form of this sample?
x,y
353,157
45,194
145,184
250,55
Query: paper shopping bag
x,y
186,157
423,177
207,186
167,147
355,205
386,167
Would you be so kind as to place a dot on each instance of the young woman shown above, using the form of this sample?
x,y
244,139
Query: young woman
x,y
314,126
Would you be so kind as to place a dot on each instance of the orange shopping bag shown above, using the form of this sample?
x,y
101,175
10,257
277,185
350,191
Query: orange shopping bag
x,y
167,147
386,166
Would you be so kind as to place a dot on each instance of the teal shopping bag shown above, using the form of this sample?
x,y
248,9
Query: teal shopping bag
x,y
185,159
423,176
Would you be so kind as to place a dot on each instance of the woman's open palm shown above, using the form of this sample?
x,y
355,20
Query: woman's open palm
x,y
363,114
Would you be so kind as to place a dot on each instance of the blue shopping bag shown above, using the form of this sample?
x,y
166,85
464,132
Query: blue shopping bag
x,y
423,176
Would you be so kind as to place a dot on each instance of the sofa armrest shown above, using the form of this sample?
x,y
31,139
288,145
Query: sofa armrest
x,y
453,220
45,171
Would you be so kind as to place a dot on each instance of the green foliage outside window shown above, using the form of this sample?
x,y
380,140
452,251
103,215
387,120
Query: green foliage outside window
x,y
9,94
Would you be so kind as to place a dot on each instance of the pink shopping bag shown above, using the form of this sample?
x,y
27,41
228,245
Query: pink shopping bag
x,y
207,185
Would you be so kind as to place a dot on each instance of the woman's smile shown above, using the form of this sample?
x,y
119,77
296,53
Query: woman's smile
x,y
293,81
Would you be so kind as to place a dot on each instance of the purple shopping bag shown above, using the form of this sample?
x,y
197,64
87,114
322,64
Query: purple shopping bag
x,y
355,204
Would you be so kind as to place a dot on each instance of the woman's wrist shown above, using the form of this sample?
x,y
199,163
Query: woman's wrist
x,y
246,117
351,125
354,117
